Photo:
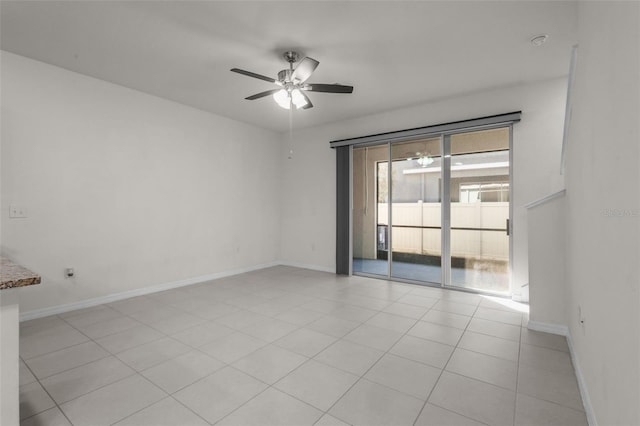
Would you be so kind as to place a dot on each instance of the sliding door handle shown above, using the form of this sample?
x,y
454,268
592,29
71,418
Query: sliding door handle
x,y
508,230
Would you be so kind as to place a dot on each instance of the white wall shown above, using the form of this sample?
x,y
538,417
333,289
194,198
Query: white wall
x,y
547,260
129,189
308,181
603,210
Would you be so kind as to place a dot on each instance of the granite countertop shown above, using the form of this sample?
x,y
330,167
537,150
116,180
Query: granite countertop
x,y
13,275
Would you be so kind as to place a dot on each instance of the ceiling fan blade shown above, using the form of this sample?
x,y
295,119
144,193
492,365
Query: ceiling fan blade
x,y
262,94
304,69
329,88
306,98
253,74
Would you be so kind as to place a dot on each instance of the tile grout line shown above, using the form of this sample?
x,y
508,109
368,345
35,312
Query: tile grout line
x,y
135,372
146,406
305,362
68,369
299,366
389,301
168,395
57,405
117,332
482,381
443,369
225,364
385,353
49,395
374,364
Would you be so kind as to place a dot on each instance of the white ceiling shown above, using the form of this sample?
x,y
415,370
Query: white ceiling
x,y
395,53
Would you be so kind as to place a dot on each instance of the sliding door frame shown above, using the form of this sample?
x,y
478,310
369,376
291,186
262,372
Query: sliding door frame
x,y
445,211
446,215
444,132
389,210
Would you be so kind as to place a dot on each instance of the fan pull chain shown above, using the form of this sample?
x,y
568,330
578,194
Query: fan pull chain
x,y
290,155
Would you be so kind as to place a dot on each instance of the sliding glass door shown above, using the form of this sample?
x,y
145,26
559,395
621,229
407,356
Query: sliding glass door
x,y
370,233
479,210
434,210
415,210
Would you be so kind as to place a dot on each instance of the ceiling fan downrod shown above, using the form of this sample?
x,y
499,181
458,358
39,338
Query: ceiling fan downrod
x,y
291,57
285,75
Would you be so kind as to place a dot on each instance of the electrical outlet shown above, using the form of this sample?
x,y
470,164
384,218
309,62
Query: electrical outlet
x,y
17,212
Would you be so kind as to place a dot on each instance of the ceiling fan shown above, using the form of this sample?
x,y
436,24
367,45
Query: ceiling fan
x,y
292,83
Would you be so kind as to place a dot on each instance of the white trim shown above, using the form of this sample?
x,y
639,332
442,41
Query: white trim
x,y
563,330
569,107
516,293
545,199
59,309
582,384
307,266
518,298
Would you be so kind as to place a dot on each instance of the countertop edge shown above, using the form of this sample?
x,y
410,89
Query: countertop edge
x,y
13,275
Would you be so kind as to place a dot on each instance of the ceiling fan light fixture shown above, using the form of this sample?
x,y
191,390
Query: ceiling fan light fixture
x,y
425,161
285,98
298,100
282,98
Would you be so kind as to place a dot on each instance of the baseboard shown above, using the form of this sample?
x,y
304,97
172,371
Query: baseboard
x,y
582,384
59,309
563,330
518,298
307,266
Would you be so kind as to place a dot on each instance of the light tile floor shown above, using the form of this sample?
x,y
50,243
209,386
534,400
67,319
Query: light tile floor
x,y
288,346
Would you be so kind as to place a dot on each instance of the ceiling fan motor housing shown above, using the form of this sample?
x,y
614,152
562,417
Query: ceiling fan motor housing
x,y
284,76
